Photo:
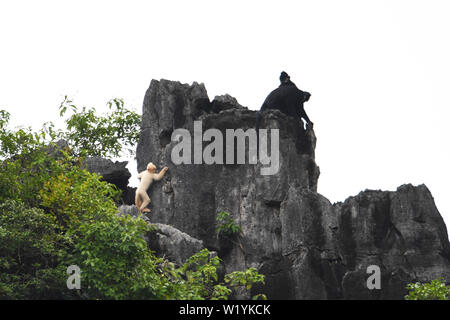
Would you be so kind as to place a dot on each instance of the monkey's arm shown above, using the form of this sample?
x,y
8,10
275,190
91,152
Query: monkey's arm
x,y
140,175
305,97
303,115
160,175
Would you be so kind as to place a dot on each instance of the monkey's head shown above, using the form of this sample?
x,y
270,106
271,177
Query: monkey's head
x,y
151,167
306,96
284,77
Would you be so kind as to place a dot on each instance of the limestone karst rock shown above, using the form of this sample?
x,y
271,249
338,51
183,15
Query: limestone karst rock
x,y
307,247
112,172
165,240
175,245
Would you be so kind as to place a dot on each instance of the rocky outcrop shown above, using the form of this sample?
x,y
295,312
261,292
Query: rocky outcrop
x,y
166,240
175,245
112,172
115,173
402,232
307,247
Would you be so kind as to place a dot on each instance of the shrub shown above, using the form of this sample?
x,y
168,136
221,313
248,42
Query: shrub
x,y
30,251
226,224
435,290
90,134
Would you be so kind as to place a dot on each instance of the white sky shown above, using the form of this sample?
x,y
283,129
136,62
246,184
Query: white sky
x,y
378,71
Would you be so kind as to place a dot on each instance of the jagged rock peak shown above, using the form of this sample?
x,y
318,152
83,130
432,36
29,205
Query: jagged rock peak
x,y
307,247
112,172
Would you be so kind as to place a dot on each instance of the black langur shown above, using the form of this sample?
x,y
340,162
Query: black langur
x,y
288,99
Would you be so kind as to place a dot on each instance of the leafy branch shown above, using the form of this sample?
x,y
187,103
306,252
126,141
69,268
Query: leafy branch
x,y
226,224
435,290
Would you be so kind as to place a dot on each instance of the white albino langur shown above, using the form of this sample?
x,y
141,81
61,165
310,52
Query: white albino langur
x,y
147,176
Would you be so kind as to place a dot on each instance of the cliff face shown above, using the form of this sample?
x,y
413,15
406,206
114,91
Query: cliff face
x,y
307,247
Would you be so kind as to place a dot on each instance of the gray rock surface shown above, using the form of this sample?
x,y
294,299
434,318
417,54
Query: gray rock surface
x,y
402,232
130,210
112,172
175,245
307,247
115,173
166,240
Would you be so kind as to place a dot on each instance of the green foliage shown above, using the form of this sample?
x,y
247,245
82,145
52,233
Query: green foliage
x,y
78,195
23,175
89,134
32,158
197,279
246,279
115,261
20,141
54,214
200,274
226,224
435,290
30,248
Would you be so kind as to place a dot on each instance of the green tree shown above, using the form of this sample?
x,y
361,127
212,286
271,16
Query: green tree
x,y
89,134
30,248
